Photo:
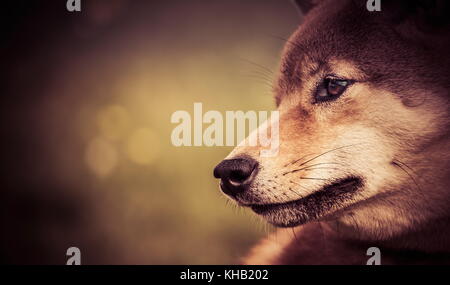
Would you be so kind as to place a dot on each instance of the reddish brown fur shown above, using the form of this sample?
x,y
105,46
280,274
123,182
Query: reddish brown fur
x,y
396,114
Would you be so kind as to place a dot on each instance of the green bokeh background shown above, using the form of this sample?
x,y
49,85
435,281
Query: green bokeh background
x,y
124,66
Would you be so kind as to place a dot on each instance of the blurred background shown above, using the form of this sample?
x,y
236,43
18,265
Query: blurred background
x,y
86,105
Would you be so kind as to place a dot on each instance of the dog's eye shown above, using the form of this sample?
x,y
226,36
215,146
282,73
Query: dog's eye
x,y
330,89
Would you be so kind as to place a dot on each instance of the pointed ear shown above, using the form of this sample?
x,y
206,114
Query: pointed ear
x,y
304,5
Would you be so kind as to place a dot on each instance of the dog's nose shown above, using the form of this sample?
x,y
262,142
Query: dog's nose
x,y
236,174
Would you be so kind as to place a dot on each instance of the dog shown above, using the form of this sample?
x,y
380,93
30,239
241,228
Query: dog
x,y
364,122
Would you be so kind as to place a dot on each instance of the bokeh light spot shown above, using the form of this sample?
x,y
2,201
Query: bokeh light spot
x,y
101,157
113,122
143,146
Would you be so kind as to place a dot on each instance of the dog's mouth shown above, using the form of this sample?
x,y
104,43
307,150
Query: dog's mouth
x,y
330,198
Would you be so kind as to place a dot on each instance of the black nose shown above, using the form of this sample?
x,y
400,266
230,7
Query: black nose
x,y
236,174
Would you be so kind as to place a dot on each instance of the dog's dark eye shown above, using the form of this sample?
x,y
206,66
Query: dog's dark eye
x,y
330,89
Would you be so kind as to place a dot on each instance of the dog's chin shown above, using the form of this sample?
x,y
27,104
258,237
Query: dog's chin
x,y
317,205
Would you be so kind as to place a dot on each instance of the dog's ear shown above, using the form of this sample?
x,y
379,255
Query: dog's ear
x,y
304,5
425,15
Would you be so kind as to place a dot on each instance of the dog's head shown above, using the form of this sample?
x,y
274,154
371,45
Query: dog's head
x,y
363,121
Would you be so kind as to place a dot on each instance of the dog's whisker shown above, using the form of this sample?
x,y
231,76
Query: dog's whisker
x,y
262,73
328,168
307,167
257,75
313,178
297,160
400,165
301,186
295,236
264,78
288,41
295,192
328,152
262,67
404,164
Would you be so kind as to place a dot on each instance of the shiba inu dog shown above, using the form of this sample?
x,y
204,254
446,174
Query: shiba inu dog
x,y
364,139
